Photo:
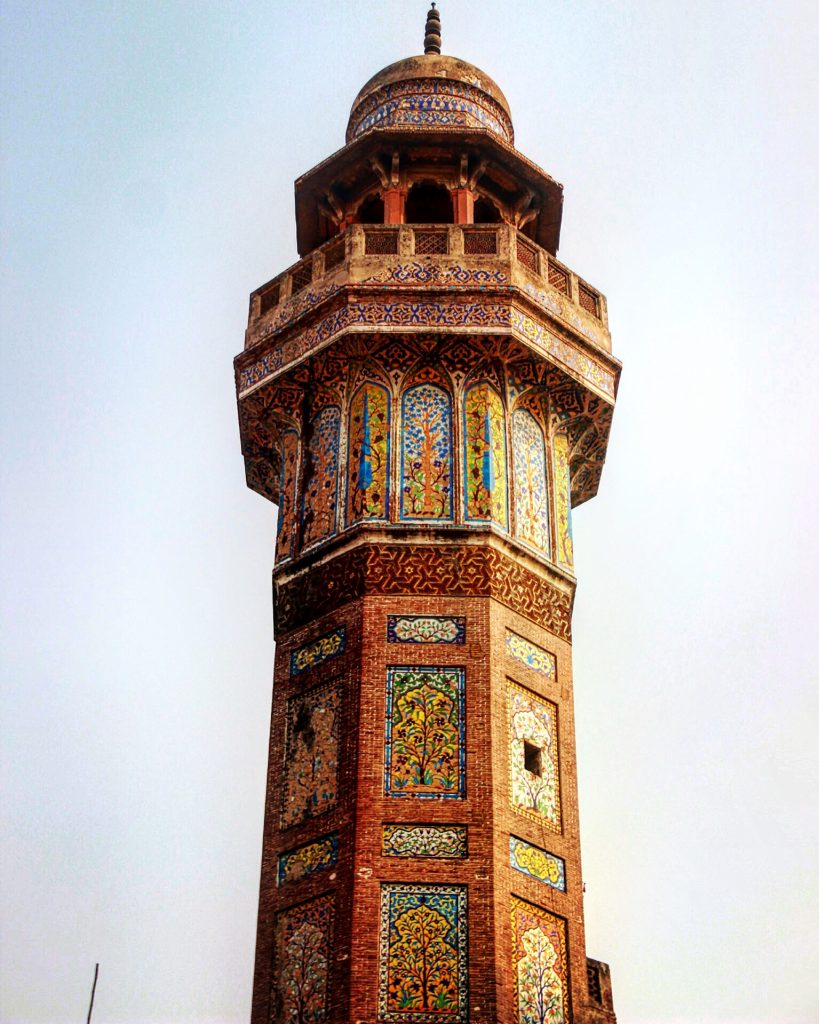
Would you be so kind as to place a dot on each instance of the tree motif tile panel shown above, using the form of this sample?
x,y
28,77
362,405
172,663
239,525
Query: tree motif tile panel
x,y
316,652
423,970
286,523
447,842
321,489
426,629
563,502
303,943
485,475
540,864
308,859
311,755
531,488
426,458
531,655
540,962
425,746
533,727
369,454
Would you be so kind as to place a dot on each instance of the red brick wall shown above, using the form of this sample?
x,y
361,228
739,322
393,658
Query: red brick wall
x,y
362,806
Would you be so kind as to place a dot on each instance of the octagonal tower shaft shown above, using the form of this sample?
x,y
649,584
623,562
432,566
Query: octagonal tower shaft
x,y
425,395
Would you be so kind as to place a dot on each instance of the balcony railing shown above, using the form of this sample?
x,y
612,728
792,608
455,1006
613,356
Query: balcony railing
x,y
357,254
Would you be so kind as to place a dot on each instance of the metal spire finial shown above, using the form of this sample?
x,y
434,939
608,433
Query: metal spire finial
x,y
432,33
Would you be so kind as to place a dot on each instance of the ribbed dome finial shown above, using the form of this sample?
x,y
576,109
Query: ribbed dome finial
x,y
432,32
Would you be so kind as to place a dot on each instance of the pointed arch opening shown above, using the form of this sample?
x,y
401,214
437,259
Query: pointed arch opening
x,y
485,467
426,453
368,454
563,500
321,485
531,485
428,203
371,210
288,482
486,212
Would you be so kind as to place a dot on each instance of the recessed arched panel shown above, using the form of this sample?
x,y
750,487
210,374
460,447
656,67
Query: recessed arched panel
x,y
563,501
286,523
531,489
426,453
321,488
368,454
485,472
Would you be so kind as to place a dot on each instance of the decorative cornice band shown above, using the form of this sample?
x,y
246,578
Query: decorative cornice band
x,y
446,570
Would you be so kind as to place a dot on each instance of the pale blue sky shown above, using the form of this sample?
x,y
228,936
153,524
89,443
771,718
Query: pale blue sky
x,y
148,157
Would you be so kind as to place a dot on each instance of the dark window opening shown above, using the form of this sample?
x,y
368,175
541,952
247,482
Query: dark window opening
x,y
371,210
486,212
532,758
429,204
593,976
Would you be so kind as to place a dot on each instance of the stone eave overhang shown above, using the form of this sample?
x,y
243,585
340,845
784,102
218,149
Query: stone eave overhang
x,y
506,312
312,187
512,311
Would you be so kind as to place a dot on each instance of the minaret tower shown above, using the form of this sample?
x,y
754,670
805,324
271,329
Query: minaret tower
x,y
425,395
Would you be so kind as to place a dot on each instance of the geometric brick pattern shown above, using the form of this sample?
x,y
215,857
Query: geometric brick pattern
x,y
423,570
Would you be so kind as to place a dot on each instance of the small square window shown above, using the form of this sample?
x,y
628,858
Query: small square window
x,y
532,758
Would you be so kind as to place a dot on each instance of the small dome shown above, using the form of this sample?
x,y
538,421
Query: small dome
x,y
432,91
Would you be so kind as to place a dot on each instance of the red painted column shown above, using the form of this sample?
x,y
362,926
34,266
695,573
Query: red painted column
x,y
463,205
394,200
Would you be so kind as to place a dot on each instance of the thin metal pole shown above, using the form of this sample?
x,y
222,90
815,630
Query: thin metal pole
x,y
93,990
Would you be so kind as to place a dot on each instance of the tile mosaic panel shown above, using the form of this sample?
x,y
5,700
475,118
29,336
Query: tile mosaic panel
x,y
531,655
303,943
286,522
321,490
316,652
307,860
563,502
563,307
423,967
426,459
430,102
369,454
531,489
533,727
443,841
416,273
541,968
310,767
540,338
426,629
425,747
484,317
531,860
485,475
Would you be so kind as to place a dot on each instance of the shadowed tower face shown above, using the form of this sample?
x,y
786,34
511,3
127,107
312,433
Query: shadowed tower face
x,y
426,395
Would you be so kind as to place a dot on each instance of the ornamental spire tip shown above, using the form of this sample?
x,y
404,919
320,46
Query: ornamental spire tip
x,y
432,32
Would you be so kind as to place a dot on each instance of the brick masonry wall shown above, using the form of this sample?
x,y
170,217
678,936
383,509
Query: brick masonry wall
x,y
362,807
